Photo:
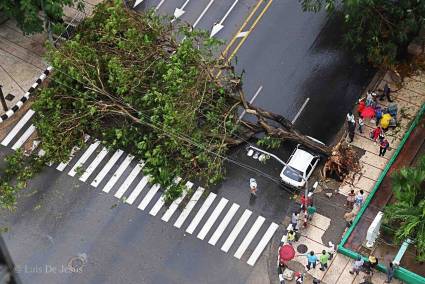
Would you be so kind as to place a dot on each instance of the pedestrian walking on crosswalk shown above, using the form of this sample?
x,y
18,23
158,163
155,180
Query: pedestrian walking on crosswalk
x,y
253,187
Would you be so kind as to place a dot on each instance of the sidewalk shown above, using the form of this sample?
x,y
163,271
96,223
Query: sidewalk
x,y
409,100
21,59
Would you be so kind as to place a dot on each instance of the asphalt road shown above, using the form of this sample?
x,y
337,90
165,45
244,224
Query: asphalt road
x,y
293,56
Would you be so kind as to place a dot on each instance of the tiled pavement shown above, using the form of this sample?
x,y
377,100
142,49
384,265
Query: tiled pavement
x,y
21,56
409,100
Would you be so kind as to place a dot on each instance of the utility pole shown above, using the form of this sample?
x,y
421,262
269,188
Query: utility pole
x,y
3,101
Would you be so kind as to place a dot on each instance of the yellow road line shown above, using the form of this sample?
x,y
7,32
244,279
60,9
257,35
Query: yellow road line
x,y
250,29
242,27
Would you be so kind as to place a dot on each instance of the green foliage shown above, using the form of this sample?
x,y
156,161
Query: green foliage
x,y
31,15
126,80
408,212
377,30
269,142
18,171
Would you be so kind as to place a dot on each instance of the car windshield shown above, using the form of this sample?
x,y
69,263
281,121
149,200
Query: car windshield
x,y
293,174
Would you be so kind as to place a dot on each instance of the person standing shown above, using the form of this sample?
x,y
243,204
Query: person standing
x,y
350,199
361,123
311,260
386,93
383,146
357,265
350,118
253,186
294,221
310,212
323,259
359,198
390,272
291,237
375,133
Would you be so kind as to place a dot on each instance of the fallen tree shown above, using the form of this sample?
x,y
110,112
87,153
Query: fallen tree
x,y
125,79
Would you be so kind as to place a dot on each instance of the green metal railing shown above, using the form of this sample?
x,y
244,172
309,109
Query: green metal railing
x,y
400,273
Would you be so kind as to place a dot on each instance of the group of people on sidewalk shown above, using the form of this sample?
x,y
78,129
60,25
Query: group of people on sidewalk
x,y
368,267
384,118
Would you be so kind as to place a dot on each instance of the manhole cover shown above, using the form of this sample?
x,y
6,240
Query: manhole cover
x,y
76,263
302,248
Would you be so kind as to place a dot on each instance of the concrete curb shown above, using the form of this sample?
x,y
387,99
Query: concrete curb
x,y
26,96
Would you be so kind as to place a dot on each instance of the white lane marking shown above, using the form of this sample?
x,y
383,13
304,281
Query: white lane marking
x,y
74,150
137,3
262,244
93,165
173,207
195,221
159,5
236,230
30,130
148,197
17,127
202,14
301,109
101,175
130,178
189,206
178,12
139,187
249,237
252,100
242,34
217,27
161,201
213,217
223,225
118,173
86,155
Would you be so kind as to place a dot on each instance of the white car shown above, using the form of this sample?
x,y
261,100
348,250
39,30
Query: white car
x,y
299,167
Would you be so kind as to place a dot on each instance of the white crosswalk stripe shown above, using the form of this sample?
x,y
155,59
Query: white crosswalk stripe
x,y
249,237
236,230
262,244
17,127
83,158
173,207
30,130
118,173
133,174
145,202
93,165
74,150
223,225
189,206
101,175
137,190
161,201
213,217
201,212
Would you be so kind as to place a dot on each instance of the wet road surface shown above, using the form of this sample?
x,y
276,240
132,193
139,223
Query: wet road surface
x,y
291,54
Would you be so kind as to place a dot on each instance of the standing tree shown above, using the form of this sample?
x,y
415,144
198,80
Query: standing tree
x,y
376,30
408,212
34,16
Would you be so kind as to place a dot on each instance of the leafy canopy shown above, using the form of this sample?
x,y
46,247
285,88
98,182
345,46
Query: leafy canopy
x,y
125,80
31,15
376,30
408,212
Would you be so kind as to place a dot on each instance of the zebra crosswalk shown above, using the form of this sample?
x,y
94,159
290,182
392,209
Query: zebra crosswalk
x,y
235,230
